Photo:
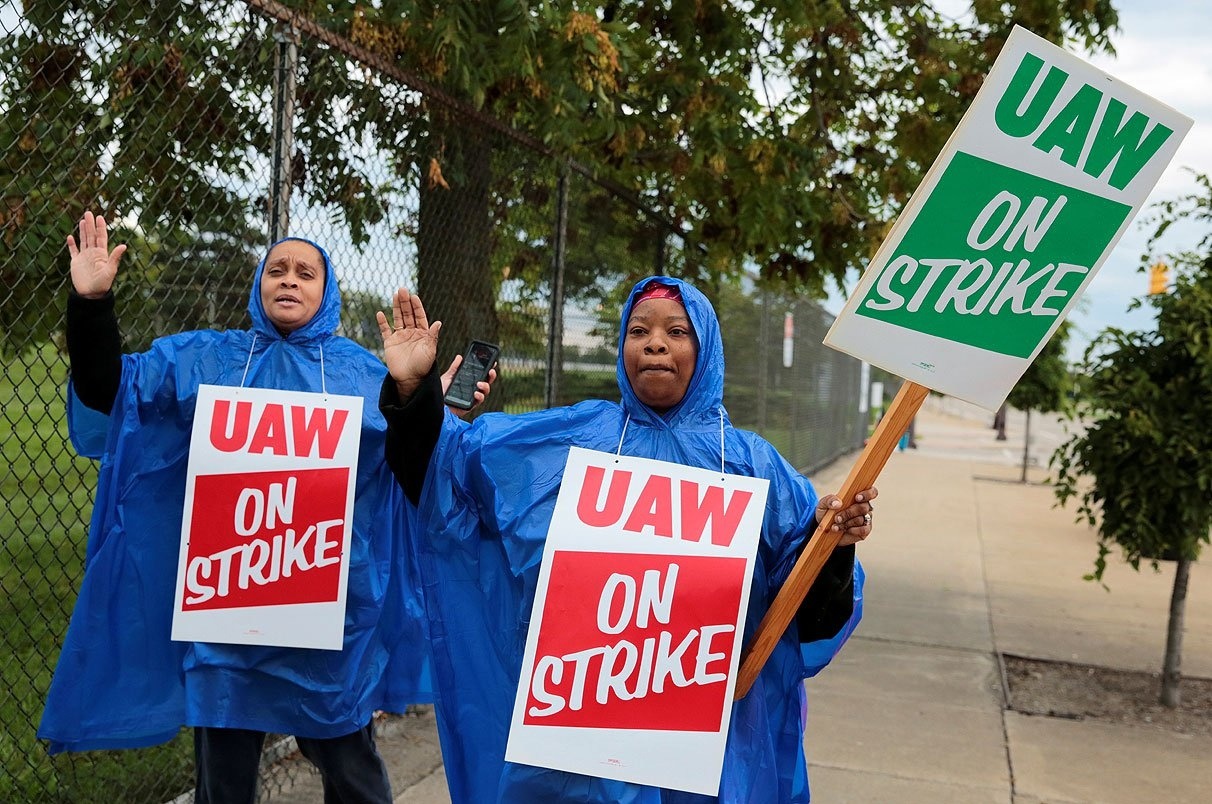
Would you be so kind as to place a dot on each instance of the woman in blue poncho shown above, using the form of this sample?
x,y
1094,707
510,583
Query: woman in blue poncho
x,y
489,491
120,681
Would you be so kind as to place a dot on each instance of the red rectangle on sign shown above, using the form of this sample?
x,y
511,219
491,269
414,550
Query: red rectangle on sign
x,y
266,539
635,641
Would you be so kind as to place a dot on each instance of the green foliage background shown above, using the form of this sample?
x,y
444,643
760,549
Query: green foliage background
x,y
782,135
1141,472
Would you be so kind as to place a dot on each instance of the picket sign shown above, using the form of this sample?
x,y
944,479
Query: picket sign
x,y
1025,202
268,518
635,634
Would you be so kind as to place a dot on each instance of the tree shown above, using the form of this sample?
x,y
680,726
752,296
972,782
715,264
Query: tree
x,y
1142,469
781,134
784,134
1044,386
102,113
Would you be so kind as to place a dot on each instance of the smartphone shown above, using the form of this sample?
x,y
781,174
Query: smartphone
x,y
479,358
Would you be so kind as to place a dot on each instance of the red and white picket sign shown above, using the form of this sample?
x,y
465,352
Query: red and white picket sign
x,y
635,635
268,517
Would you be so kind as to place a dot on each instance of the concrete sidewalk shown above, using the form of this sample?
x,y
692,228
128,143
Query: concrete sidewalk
x,y
967,563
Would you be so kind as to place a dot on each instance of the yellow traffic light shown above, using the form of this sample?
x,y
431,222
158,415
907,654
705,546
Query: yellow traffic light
x,y
1159,278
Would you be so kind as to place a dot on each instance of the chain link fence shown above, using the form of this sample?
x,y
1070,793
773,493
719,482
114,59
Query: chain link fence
x,y
204,131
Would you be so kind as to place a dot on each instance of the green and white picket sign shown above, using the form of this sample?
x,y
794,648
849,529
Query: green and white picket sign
x,y
1035,187
1033,190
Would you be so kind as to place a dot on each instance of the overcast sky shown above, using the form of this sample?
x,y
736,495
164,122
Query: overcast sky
x,y
1162,50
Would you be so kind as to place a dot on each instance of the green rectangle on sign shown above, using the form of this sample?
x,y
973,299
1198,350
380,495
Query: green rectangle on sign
x,y
993,257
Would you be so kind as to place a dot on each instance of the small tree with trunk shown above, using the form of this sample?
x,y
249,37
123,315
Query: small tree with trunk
x,y
1142,469
1045,386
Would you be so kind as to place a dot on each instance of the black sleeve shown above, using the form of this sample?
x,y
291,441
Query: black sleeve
x,y
830,600
94,350
412,430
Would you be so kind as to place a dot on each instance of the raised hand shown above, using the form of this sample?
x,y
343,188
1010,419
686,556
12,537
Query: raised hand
x,y
410,344
93,266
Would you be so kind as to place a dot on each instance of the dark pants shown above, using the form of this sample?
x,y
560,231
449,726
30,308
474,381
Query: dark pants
x,y
229,761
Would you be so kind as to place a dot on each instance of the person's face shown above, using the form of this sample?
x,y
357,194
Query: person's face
x,y
659,352
292,284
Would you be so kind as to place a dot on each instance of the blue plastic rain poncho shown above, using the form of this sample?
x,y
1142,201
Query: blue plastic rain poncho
x,y
120,681
488,499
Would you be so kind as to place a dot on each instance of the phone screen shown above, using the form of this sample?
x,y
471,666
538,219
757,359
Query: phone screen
x,y
476,362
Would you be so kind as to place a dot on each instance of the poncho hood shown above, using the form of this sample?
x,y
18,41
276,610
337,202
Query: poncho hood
x,y
705,395
323,323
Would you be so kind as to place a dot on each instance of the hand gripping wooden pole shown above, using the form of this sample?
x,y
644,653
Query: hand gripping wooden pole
x,y
879,448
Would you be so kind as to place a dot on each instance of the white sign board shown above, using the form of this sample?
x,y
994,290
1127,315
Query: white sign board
x,y
268,518
635,636
1035,187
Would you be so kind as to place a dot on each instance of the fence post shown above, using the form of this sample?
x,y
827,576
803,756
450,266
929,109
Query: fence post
x,y
555,324
286,62
763,355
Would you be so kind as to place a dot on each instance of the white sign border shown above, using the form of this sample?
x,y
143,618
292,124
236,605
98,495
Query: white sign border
x,y
292,625
971,373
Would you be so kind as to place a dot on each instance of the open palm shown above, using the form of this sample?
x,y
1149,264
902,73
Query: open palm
x,y
410,343
93,265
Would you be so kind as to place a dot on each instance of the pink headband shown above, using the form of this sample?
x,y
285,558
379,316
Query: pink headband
x,y
658,291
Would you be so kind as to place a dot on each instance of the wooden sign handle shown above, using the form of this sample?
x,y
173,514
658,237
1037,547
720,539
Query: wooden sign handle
x,y
879,448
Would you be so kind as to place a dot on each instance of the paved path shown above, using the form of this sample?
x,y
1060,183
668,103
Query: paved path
x,y
966,563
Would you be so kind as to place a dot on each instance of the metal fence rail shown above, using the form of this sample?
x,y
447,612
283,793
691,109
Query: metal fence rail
x,y
196,129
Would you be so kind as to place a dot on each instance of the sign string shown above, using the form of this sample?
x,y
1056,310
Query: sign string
x,y
248,362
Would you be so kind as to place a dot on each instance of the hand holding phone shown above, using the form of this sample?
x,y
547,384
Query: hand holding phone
x,y
478,360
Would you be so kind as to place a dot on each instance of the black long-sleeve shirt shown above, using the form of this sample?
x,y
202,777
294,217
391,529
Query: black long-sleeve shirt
x,y
826,608
830,600
413,427
94,350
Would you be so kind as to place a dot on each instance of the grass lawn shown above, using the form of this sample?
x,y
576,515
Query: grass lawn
x,y
45,502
